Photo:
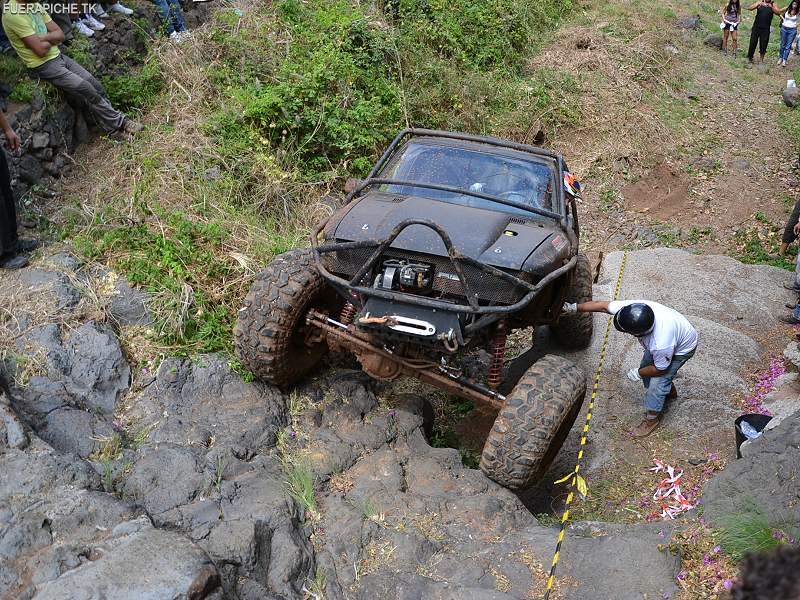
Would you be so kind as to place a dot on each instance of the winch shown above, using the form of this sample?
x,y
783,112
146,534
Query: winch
x,y
398,274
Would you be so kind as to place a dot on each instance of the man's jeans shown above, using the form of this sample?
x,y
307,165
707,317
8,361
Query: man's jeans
x,y
171,14
787,39
81,89
658,388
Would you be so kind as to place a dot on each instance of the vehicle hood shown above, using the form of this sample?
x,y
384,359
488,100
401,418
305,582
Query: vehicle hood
x,y
494,238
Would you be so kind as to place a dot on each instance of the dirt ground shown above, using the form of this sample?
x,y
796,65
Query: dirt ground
x,y
678,145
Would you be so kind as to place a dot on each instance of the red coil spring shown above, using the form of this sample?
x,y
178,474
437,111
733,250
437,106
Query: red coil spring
x,y
498,358
347,314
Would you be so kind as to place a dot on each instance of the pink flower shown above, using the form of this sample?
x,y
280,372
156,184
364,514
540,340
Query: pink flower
x,y
717,550
728,584
681,576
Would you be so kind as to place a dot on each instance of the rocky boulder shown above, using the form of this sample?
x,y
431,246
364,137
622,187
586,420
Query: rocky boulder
x,y
691,23
763,482
713,40
791,96
140,563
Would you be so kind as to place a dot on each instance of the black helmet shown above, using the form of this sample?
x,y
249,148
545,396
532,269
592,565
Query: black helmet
x,y
636,319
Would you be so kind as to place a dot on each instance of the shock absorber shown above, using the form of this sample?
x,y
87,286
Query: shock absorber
x,y
498,352
347,314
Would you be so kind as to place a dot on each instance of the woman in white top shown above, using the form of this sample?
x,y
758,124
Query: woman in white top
x,y
788,30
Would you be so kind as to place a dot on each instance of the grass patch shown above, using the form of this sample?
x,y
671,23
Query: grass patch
x,y
136,89
300,486
177,262
757,247
753,531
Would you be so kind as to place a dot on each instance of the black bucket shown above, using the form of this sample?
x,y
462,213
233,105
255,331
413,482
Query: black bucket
x,y
757,421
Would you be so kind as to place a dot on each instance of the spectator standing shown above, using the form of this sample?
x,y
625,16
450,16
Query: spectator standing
x,y
731,17
172,17
35,38
11,246
759,36
788,31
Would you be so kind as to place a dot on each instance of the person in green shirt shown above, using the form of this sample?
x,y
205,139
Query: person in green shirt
x,y
35,38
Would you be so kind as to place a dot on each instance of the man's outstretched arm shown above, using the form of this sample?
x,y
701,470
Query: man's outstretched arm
x,y
591,306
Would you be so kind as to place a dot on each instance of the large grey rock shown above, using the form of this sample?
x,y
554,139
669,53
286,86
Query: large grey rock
x,y
203,402
40,285
713,40
597,560
98,372
165,478
130,306
143,564
12,432
692,23
791,96
75,431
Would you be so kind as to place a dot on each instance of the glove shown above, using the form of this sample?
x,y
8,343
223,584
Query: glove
x,y
569,308
633,375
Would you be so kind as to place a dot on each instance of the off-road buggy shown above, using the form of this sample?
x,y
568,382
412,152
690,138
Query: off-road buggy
x,y
449,244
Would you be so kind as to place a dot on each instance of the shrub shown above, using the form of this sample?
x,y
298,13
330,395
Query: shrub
x,y
135,89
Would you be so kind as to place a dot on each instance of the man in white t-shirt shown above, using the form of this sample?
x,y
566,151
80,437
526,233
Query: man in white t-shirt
x,y
668,339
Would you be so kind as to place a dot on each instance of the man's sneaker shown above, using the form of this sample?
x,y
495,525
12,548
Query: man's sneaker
x,y
789,319
175,36
99,12
182,35
118,8
81,28
93,23
131,126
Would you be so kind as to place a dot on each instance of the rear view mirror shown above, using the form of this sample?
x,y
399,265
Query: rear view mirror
x,y
351,184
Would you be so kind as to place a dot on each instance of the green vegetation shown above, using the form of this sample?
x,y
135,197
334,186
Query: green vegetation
x,y
300,485
135,89
80,50
24,91
349,80
757,248
699,234
444,434
178,261
751,530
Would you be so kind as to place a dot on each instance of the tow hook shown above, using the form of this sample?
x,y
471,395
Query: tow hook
x,y
401,324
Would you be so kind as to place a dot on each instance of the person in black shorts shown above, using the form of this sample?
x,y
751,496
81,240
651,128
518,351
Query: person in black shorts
x,y
765,10
731,15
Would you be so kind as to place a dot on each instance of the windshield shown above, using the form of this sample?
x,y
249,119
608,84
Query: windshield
x,y
517,180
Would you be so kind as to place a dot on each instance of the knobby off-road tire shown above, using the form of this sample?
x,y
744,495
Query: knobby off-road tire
x,y
533,423
269,336
574,332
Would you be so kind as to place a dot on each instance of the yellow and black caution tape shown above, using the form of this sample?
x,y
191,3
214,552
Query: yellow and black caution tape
x,y
576,481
